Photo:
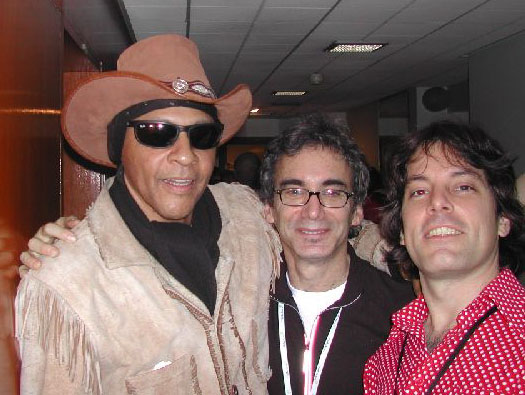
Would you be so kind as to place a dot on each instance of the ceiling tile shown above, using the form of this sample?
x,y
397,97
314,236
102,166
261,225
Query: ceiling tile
x,y
283,28
289,14
152,15
273,39
152,3
300,3
493,17
225,3
428,41
407,29
371,12
518,5
442,11
219,27
213,43
223,14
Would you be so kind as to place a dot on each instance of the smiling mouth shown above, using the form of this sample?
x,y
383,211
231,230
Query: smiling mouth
x,y
177,182
312,232
443,231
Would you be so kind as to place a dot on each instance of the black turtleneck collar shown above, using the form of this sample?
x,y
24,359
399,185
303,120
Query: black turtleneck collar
x,y
189,253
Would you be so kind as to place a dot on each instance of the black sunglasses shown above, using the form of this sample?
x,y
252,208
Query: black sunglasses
x,y
158,134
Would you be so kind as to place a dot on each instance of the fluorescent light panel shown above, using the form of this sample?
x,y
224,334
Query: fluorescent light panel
x,y
289,93
338,47
254,110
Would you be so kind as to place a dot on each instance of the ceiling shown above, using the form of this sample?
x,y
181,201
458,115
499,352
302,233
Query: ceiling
x,y
277,44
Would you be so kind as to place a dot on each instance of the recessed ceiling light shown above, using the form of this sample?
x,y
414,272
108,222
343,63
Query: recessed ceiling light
x,y
289,93
254,110
339,47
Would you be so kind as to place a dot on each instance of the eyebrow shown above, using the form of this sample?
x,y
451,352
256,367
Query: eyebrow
x,y
295,181
458,173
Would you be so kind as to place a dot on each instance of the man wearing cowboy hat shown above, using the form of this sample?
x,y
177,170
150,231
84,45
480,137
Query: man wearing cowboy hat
x,y
326,295
161,293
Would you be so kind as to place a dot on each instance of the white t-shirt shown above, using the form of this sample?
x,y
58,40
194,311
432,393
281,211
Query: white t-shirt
x,y
311,304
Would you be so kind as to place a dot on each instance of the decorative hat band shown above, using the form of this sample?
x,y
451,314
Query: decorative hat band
x,y
182,86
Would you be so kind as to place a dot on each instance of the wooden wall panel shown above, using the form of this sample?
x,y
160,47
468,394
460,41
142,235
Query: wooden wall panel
x,y
31,37
363,123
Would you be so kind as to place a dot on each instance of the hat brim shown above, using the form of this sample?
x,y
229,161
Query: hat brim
x,y
94,103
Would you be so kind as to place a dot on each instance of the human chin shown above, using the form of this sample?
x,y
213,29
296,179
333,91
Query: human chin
x,y
314,252
435,260
178,207
314,245
176,210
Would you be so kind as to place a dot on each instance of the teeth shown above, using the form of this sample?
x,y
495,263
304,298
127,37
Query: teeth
x,y
443,231
311,232
178,182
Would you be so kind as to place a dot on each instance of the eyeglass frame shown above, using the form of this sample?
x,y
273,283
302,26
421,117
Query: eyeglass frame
x,y
180,129
317,193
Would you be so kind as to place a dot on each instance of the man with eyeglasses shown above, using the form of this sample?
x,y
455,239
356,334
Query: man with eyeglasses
x,y
330,309
313,181
165,289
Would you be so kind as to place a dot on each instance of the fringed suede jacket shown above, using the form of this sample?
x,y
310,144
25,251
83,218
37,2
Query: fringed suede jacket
x,y
106,318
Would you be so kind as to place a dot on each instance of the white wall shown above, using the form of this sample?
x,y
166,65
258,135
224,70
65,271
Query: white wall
x,y
497,94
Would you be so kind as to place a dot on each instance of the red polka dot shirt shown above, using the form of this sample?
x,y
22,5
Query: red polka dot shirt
x,y
492,361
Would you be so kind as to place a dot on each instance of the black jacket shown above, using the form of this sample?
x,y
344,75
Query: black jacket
x,y
369,299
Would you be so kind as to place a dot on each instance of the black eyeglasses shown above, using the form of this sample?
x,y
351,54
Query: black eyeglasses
x,y
331,198
158,134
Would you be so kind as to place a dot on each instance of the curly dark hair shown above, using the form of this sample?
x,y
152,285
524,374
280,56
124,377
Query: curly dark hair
x,y
461,143
312,131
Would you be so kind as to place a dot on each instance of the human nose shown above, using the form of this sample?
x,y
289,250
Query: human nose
x,y
181,151
440,201
313,208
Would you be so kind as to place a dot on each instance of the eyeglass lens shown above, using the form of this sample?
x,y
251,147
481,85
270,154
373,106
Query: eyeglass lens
x,y
162,134
299,197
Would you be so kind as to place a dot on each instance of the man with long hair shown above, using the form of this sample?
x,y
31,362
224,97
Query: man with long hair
x,y
453,220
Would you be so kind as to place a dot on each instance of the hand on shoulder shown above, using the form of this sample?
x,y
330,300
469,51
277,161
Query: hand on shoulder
x,y
42,242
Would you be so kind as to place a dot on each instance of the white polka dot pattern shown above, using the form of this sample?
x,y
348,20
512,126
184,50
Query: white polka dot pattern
x,y
491,362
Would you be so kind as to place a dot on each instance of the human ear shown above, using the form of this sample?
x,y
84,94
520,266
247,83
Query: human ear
x,y
357,216
503,226
268,214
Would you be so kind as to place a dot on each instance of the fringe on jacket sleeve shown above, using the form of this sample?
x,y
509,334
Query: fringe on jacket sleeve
x,y
272,237
43,318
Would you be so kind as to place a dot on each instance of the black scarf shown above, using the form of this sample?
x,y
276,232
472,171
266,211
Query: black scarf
x,y
189,253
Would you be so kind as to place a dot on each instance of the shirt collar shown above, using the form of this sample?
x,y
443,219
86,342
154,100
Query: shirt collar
x,y
509,295
504,291
411,317
353,288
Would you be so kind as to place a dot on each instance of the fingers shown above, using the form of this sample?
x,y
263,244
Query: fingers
x,y
29,261
68,222
41,244
54,230
39,247
23,270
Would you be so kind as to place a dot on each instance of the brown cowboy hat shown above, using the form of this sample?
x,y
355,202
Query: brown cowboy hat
x,y
159,67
